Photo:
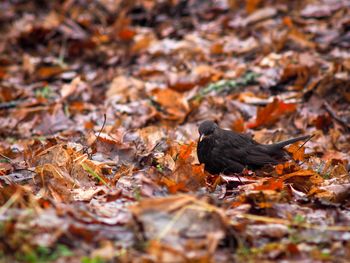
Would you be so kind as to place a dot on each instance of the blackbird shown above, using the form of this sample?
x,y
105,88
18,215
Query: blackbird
x,y
224,151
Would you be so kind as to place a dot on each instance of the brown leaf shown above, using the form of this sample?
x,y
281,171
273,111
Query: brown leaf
x,y
142,42
259,15
71,88
177,222
252,5
46,72
174,104
125,88
301,73
301,39
181,83
297,152
126,34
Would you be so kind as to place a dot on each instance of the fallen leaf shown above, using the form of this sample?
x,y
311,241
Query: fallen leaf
x,y
297,152
270,184
125,88
46,72
186,150
270,114
174,104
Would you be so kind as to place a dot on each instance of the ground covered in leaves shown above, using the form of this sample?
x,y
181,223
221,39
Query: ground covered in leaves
x,y
99,107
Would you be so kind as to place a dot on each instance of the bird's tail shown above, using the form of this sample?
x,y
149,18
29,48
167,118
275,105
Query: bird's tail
x,y
273,148
282,144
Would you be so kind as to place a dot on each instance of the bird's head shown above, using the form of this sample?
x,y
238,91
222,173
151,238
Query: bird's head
x,y
206,128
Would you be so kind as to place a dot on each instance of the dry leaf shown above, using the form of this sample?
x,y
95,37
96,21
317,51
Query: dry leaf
x,y
174,103
271,113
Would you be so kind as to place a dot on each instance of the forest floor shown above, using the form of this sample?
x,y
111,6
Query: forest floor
x,y
100,103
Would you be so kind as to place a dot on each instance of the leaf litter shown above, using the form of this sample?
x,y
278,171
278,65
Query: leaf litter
x,y
99,108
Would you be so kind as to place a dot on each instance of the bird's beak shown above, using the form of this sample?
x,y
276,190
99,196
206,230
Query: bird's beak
x,y
201,137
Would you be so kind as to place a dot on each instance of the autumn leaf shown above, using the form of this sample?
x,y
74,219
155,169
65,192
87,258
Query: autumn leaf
x,y
46,72
186,150
279,168
271,184
297,152
270,114
252,5
126,34
100,103
174,104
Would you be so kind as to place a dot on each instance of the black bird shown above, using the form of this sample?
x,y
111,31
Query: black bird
x,y
224,151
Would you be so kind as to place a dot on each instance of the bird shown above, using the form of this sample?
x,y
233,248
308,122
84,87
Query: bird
x,y
225,151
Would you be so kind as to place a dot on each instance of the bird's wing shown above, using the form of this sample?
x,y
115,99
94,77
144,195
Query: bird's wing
x,y
256,156
226,159
228,150
237,139
242,149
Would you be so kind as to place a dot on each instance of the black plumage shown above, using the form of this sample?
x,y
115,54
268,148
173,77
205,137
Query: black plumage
x,y
224,151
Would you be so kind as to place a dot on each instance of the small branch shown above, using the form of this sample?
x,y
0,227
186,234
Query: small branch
x,y
308,139
331,112
85,149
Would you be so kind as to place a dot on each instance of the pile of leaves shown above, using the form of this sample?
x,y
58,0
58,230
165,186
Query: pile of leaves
x,y
99,107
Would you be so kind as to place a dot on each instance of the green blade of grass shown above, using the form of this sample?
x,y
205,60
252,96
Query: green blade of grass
x,y
94,174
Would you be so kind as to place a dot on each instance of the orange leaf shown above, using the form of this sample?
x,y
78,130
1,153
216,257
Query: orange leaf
x,y
279,169
300,72
173,102
271,113
77,106
297,152
265,205
217,49
252,5
298,173
2,72
271,184
198,170
173,186
182,83
301,38
186,150
238,125
89,125
176,187
288,21
126,34
46,72
142,43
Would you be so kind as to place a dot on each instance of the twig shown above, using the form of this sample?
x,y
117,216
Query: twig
x,y
308,139
335,116
5,157
103,125
85,149
235,174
